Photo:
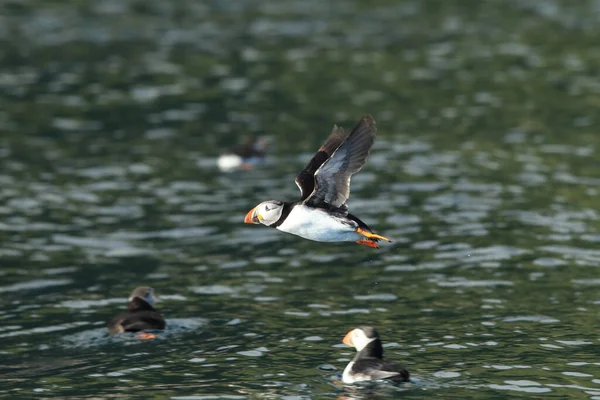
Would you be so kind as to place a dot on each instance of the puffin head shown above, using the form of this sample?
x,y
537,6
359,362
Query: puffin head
x,y
266,213
259,144
360,337
145,293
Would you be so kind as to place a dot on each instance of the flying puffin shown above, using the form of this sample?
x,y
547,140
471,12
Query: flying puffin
x,y
322,214
243,156
140,315
368,364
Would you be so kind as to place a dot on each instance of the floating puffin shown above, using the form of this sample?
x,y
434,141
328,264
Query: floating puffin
x,y
244,156
368,364
140,315
321,214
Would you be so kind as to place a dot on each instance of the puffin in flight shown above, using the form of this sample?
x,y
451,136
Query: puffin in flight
x,y
322,214
368,364
140,315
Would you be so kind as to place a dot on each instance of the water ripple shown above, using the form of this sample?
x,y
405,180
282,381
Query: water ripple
x,y
34,284
109,180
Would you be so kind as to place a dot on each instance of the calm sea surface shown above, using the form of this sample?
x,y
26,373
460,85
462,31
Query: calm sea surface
x,y
485,172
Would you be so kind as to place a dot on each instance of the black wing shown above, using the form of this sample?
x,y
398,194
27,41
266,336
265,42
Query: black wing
x,y
377,369
143,320
332,178
306,179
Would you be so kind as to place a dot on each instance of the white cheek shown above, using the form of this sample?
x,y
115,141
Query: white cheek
x,y
266,214
270,216
361,341
359,344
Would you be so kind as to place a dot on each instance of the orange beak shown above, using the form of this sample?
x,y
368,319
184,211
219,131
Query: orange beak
x,y
348,339
250,219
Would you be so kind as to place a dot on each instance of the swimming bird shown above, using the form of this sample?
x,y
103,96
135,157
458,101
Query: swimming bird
x,y
368,364
140,314
321,214
243,156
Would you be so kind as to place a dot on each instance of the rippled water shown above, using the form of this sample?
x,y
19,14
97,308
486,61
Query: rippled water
x,y
484,172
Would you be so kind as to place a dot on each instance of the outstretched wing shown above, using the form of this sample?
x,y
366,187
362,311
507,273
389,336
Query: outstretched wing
x,y
332,178
306,179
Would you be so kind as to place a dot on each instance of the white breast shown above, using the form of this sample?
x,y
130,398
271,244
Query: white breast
x,y
371,375
346,376
318,225
229,162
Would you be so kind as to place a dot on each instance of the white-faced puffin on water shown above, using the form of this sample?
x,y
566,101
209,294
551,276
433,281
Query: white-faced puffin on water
x,y
368,364
322,214
244,156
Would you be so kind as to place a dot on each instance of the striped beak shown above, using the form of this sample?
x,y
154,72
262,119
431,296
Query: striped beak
x,y
251,217
348,339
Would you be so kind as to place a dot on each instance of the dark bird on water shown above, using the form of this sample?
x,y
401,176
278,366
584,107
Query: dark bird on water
x,y
140,315
244,156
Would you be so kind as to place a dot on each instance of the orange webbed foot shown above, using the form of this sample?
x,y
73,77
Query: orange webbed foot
x,y
369,243
371,235
145,336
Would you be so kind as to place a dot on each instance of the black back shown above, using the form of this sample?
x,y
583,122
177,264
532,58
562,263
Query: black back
x,y
380,369
369,361
139,316
250,148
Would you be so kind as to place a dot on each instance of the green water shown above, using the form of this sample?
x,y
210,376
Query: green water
x,y
484,171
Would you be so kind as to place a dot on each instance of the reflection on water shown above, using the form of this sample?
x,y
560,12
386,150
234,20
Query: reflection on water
x,y
484,173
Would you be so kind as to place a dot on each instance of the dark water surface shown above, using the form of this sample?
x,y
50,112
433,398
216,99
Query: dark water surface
x,y
485,172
